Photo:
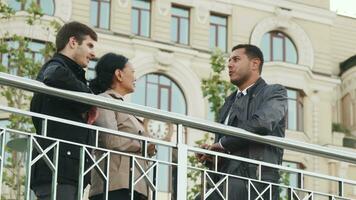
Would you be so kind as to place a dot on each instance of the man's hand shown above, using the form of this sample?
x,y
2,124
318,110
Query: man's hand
x,y
93,114
216,147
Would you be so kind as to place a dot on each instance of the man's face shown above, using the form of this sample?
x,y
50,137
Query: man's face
x,y
84,52
239,67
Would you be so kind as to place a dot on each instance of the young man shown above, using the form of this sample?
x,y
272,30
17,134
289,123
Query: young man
x,y
75,47
256,107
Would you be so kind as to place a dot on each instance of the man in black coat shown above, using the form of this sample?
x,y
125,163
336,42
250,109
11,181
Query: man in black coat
x,y
258,108
75,47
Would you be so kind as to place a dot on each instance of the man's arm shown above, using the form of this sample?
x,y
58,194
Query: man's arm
x,y
58,76
61,77
263,121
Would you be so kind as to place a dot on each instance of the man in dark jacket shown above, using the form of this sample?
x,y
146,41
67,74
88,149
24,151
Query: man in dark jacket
x,y
258,108
75,47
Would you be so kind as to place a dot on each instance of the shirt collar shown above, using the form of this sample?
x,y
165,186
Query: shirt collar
x,y
244,92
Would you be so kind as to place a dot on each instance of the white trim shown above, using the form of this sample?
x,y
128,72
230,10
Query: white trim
x,y
293,30
301,11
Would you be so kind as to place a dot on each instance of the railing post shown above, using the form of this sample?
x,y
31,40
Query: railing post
x,y
182,165
2,153
81,172
28,167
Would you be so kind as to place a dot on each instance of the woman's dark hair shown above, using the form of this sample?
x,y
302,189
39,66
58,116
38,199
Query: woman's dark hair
x,y
105,69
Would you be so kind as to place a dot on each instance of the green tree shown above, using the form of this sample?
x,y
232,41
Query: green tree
x,y
215,89
17,58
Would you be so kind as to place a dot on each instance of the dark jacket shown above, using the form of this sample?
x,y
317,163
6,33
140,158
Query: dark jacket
x,y
262,111
61,72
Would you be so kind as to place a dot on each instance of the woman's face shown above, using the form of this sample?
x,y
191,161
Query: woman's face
x,y
128,78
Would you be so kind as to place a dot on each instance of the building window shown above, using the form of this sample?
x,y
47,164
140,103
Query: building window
x,y
295,110
180,25
218,32
159,91
33,52
47,6
90,73
291,179
277,46
100,13
140,16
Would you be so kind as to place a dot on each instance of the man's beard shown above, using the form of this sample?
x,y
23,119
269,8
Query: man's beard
x,y
241,80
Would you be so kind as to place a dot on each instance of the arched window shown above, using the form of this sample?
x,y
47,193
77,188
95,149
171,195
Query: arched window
x,y
47,6
277,46
159,91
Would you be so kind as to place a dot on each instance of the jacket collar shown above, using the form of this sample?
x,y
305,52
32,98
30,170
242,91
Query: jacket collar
x,y
259,84
75,67
114,94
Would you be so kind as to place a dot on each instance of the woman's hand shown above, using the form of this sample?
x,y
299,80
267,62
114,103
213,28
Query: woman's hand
x,y
151,150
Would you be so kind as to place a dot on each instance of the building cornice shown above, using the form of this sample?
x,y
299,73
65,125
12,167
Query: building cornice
x,y
297,10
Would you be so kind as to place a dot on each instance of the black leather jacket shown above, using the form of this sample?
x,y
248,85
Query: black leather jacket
x,y
61,72
262,111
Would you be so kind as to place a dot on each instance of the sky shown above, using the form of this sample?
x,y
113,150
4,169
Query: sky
x,y
344,7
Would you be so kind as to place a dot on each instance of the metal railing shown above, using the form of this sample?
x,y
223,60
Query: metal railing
x,y
183,150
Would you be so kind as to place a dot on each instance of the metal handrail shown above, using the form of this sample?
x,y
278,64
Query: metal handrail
x,y
187,121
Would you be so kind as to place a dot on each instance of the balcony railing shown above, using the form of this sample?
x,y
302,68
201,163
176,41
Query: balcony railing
x,y
335,188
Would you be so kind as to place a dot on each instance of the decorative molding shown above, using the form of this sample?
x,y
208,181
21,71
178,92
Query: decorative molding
x,y
202,12
123,3
292,29
163,7
63,9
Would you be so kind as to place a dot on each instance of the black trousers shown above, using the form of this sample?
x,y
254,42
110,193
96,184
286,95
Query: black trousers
x,y
64,191
122,194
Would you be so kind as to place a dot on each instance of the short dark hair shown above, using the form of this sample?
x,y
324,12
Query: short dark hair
x,y
251,51
76,30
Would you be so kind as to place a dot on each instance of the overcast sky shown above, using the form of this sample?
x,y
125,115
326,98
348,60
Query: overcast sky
x,y
344,7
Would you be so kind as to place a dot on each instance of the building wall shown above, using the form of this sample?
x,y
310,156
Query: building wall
x,y
322,39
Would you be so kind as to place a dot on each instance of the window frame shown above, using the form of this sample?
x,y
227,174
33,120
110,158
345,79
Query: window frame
x,y
216,26
139,10
98,11
178,23
276,34
299,109
23,6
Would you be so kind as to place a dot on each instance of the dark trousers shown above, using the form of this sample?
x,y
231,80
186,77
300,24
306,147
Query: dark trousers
x,y
238,190
64,191
122,194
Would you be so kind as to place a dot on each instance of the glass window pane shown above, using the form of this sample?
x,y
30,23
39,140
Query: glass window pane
x,y
174,29
184,31
145,23
218,20
90,73
222,38
94,13
212,36
292,94
291,52
266,47
181,12
140,91
134,21
152,98
104,15
152,78
47,6
178,101
164,99
14,5
292,114
163,80
141,4
277,49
